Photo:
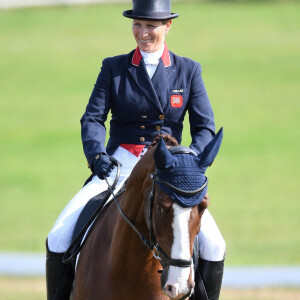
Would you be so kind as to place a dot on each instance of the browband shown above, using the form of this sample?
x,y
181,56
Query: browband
x,y
182,150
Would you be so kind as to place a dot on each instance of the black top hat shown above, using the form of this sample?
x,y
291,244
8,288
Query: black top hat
x,y
150,10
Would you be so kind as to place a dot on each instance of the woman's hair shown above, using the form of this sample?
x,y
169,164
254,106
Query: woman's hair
x,y
165,21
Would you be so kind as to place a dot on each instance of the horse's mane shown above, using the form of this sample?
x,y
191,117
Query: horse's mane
x,y
168,139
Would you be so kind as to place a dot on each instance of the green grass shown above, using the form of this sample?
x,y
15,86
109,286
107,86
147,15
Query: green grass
x,y
49,61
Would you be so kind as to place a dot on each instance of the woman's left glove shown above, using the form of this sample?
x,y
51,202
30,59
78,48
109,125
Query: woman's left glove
x,y
103,164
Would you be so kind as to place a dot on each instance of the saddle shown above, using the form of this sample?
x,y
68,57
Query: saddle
x,y
85,223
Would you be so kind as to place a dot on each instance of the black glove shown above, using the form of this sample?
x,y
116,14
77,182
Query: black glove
x,y
103,164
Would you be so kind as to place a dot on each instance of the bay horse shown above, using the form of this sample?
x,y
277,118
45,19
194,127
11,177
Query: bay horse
x,y
115,264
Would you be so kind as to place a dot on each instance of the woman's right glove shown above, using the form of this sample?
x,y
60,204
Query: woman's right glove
x,y
103,164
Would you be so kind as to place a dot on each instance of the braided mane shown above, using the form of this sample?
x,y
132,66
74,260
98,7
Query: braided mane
x,y
168,139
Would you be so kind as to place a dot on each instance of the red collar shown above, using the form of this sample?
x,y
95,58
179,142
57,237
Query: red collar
x,y
137,56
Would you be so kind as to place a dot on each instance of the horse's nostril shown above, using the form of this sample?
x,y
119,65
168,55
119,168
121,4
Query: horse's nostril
x,y
171,291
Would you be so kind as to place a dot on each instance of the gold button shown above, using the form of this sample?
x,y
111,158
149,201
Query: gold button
x,y
142,139
157,128
144,117
161,117
142,127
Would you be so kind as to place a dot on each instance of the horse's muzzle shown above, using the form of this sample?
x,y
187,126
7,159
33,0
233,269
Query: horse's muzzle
x,y
174,290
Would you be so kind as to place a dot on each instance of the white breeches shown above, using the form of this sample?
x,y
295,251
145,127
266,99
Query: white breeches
x,y
212,245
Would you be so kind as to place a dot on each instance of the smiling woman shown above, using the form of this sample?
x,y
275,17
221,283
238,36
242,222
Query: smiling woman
x,y
148,92
150,35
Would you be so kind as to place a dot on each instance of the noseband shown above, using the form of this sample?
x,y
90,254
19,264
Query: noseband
x,y
152,245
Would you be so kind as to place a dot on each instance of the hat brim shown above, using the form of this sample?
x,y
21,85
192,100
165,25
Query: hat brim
x,y
129,14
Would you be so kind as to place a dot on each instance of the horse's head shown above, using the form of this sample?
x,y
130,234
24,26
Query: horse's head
x,y
177,202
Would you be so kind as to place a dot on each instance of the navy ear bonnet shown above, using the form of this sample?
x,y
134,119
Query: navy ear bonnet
x,y
182,175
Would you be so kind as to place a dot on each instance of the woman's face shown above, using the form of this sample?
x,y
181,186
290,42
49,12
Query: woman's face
x,y
150,35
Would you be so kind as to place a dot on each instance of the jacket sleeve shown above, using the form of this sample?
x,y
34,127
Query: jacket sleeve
x,y
201,117
93,129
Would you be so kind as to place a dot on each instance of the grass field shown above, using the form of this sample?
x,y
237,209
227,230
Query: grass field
x,y
250,55
34,289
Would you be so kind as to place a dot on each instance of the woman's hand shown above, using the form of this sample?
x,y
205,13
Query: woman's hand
x,y
103,164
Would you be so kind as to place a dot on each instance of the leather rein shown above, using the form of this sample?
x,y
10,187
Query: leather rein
x,y
151,244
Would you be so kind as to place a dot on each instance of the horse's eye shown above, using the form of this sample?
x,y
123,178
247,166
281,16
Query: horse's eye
x,y
161,210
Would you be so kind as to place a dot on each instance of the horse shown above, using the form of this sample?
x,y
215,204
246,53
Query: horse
x,y
156,263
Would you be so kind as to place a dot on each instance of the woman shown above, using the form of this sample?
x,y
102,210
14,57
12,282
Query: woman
x,y
148,92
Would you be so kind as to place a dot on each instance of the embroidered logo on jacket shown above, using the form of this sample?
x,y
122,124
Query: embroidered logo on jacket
x,y
176,100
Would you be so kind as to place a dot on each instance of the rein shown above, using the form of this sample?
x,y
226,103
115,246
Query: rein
x,y
73,250
157,251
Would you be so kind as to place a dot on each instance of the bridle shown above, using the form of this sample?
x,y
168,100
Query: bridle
x,y
151,244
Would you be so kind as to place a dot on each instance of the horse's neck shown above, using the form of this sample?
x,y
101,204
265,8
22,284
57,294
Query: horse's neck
x,y
123,232
132,203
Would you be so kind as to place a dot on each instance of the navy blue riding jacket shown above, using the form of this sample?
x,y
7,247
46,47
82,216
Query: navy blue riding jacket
x,y
142,108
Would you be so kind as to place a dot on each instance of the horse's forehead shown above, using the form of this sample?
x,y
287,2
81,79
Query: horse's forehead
x,y
181,231
181,212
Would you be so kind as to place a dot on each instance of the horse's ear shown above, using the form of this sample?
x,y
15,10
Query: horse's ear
x,y
163,158
211,150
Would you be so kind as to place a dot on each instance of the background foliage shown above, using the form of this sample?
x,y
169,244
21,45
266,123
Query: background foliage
x,y
49,61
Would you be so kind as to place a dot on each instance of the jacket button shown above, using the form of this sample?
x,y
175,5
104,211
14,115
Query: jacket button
x,y
144,117
161,117
157,128
142,127
142,139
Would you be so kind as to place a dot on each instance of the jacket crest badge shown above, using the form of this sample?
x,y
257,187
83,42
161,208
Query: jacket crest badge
x,y
176,100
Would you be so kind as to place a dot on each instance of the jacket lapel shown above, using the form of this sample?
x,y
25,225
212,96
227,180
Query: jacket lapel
x,y
142,80
160,79
138,71
151,88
